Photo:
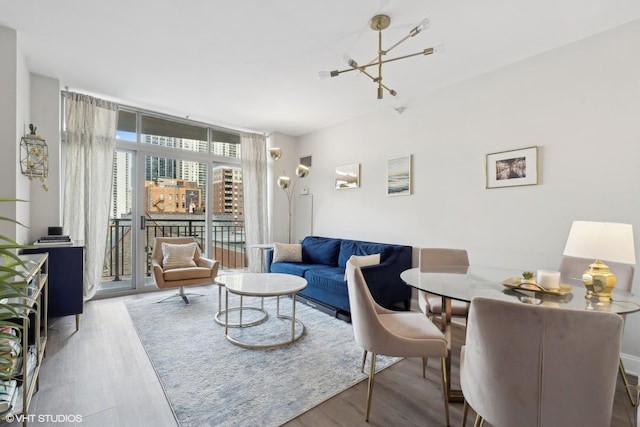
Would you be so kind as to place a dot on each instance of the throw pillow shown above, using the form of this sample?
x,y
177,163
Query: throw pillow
x,y
283,252
178,255
363,261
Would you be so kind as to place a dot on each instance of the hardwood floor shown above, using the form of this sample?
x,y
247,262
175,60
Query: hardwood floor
x,y
102,374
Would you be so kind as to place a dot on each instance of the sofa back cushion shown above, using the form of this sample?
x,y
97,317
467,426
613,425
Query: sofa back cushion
x,y
359,248
320,250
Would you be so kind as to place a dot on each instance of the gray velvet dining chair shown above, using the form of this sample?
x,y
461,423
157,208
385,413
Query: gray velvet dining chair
x,y
430,304
573,267
392,333
539,366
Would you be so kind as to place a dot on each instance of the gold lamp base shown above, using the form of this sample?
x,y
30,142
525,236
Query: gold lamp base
x,y
599,281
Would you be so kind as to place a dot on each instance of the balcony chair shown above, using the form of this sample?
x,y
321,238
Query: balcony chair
x,y
539,366
573,267
177,262
391,333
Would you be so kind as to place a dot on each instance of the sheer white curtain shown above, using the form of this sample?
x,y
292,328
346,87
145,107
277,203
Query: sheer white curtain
x,y
254,181
90,145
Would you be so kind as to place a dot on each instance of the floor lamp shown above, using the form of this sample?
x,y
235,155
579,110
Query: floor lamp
x,y
285,183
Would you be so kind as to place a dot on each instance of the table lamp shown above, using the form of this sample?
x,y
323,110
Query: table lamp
x,y
600,241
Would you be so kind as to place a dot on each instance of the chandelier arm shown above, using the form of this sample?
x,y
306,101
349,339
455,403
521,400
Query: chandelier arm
x,y
373,61
428,51
380,53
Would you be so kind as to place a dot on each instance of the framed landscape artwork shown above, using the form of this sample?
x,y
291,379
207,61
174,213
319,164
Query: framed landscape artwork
x,y
512,168
347,176
399,176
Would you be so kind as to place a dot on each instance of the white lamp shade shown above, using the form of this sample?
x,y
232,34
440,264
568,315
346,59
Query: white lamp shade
x,y
606,241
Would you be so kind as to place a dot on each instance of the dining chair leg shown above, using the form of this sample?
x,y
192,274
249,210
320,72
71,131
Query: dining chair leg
x,y
372,373
424,367
465,412
627,387
444,388
479,421
364,360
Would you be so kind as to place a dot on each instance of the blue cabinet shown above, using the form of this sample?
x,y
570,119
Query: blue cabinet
x,y
66,279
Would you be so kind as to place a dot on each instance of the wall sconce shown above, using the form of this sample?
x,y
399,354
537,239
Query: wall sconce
x,y
284,182
34,157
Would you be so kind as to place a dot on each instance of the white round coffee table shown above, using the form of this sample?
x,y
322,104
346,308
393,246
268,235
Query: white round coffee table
x,y
264,285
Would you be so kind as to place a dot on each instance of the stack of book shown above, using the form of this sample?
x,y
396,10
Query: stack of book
x,y
54,240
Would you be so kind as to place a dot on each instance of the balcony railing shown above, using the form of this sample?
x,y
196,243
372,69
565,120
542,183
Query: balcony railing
x,y
227,241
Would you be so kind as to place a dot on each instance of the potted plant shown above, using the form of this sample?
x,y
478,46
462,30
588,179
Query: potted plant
x,y
527,277
15,303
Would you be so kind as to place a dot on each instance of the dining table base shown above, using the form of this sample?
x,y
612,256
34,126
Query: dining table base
x,y
453,395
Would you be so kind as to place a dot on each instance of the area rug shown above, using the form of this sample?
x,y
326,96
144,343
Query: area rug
x,y
210,381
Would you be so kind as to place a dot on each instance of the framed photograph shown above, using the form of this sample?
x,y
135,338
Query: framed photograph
x,y
512,168
347,176
399,176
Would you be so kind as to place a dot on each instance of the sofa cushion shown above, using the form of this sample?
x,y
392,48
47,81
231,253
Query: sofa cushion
x,y
186,273
355,247
295,268
363,261
320,250
328,278
283,252
178,255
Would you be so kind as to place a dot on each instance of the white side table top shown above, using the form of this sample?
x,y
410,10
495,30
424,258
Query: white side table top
x,y
262,246
262,284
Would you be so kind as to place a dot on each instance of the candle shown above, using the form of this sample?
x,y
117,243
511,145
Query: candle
x,y
548,279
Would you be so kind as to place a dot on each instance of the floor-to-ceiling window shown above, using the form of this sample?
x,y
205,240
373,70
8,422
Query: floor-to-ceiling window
x,y
171,177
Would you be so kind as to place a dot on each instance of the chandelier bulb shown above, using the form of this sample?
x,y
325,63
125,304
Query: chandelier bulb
x,y
349,61
324,75
441,48
423,25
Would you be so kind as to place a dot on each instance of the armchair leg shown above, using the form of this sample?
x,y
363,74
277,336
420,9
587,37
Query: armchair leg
x,y
372,373
424,367
182,294
364,360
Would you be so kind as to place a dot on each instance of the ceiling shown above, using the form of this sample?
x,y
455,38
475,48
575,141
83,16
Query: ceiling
x,y
253,64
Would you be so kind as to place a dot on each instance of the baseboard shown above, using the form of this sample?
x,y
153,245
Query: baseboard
x,y
631,363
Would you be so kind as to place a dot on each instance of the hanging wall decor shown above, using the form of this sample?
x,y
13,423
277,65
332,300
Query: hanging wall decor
x,y
34,157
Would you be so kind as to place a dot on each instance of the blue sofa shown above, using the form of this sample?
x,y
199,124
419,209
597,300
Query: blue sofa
x,y
323,265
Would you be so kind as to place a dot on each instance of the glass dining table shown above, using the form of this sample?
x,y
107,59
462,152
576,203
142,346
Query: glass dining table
x,y
464,283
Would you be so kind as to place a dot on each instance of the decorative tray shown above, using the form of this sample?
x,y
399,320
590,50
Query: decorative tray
x,y
514,283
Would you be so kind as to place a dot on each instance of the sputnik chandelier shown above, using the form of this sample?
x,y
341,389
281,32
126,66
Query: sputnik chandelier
x,y
379,23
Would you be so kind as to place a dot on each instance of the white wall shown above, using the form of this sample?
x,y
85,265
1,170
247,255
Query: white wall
x,y
45,114
14,112
580,104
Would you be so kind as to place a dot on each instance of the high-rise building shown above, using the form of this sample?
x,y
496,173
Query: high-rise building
x,y
228,196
